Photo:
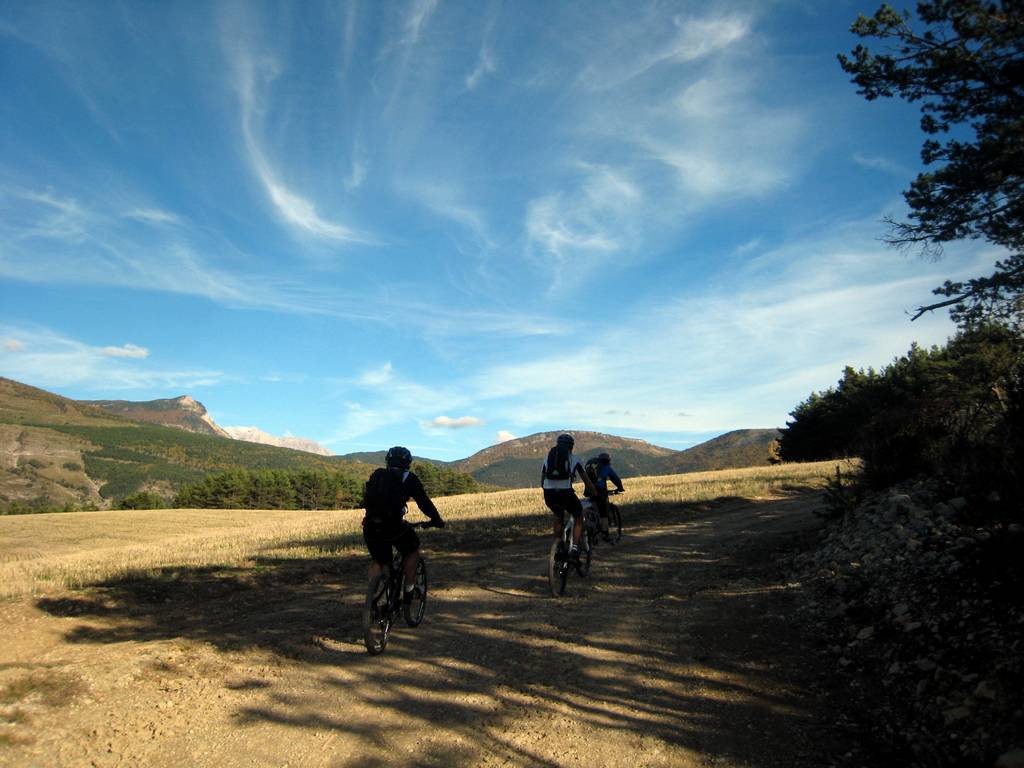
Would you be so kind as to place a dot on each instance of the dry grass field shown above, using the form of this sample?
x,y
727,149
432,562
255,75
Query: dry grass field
x,y
53,552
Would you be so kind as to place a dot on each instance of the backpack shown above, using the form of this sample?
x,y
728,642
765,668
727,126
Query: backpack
x,y
591,468
384,496
557,466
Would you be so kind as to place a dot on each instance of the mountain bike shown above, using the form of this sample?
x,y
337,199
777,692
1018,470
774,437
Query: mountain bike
x,y
384,602
559,562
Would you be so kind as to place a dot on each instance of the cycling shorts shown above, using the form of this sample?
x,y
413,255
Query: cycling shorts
x,y
379,541
560,500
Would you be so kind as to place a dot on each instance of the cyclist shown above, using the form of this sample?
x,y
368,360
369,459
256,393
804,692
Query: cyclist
x,y
600,470
384,499
557,473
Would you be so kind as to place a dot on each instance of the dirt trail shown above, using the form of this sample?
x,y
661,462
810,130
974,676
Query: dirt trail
x,y
681,649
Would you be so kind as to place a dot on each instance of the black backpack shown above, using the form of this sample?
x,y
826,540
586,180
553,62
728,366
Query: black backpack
x,y
591,469
384,496
557,466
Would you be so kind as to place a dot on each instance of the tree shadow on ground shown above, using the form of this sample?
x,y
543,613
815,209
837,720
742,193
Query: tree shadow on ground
x,y
682,639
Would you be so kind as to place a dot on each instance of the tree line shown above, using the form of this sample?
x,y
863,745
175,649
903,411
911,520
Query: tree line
x,y
954,411
291,489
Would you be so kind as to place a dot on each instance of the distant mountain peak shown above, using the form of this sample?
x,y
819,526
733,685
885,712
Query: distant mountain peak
x,y
257,435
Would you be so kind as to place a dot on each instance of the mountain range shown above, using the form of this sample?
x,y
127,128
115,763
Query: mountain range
x,y
57,452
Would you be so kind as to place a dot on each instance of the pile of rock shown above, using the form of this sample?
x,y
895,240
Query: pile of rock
x,y
924,605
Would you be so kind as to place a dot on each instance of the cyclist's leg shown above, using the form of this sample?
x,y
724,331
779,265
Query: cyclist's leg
x,y
552,499
379,548
571,502
408,543
600,498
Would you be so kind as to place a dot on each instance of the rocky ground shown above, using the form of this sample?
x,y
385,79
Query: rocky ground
x,y
922,598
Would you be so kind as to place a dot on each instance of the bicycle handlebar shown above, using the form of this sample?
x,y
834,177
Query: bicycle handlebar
x,y
423,524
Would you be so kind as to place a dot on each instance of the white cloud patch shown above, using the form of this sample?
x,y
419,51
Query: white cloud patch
x,y
13,345
503,436
446,422
128,350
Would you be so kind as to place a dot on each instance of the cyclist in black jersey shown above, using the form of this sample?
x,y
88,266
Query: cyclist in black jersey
x,y
384,499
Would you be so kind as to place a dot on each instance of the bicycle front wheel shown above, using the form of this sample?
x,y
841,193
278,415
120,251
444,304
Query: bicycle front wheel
x,y
558,568
376,615
614,522
415,608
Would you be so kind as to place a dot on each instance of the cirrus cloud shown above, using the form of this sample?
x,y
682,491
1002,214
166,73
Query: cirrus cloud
x,y
128,350
446,422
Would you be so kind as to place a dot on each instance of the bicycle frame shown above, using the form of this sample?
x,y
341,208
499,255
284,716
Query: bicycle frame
x,y
384,601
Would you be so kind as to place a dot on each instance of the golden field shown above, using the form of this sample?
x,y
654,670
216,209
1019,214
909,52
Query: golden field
x,y
59,551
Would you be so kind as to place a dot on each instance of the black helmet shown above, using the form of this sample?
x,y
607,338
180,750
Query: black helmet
x,y
565,439
398,457
604,458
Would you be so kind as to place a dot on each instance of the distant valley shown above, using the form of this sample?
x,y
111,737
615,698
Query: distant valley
x,y
56,452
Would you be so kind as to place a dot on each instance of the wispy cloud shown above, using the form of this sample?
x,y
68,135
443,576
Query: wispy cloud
x,y
788,323
419,13
644,47
590,223
447,422
152,216
503,436
128,350
252,78
49,359
486,64
13,345
377,376
884,164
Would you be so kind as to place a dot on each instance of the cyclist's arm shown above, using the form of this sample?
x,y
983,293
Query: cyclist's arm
x,y
419,495
587,483
614,477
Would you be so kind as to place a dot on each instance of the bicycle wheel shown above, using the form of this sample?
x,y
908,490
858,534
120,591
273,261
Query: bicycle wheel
x,y
558,568
376,615
415,609
614,522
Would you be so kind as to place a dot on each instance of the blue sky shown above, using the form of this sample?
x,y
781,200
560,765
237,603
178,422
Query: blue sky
x,y
442,224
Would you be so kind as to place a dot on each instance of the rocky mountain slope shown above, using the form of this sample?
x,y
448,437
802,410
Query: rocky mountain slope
x,y
180,412
60,453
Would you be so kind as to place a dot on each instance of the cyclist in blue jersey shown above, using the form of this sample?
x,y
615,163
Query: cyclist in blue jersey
x,y
602,473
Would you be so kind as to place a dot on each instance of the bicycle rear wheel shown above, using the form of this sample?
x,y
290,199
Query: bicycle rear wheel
x,y
558,568
415,609
614,522
377,615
